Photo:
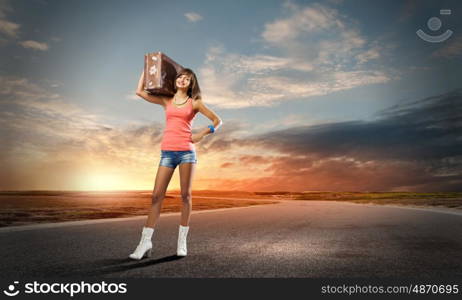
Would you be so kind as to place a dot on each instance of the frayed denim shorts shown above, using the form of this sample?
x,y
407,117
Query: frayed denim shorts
x,y
173,158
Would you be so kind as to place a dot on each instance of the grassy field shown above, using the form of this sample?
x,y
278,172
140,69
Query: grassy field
x,y
443,199
23,208
30,207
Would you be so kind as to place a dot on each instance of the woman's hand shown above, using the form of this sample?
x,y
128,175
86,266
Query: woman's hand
x,y
197,137
140,87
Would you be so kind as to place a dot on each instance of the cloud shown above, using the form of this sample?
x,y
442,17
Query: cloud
x,y
408,10
321,52
193,17
8,28
5,7
424,129
320,35
34,45
413,146
315,18
131,96
27,105
453,48
44,135
368,55
335,81
238,81
253,159
336,2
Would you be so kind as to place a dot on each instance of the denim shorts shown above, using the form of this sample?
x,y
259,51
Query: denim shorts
x,y
173,158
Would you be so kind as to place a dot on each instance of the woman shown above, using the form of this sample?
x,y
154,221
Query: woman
x,y
177,148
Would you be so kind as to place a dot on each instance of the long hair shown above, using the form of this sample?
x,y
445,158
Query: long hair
x,y
194,90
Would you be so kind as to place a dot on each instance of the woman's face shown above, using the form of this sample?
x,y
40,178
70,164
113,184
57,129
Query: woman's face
x,y
183,81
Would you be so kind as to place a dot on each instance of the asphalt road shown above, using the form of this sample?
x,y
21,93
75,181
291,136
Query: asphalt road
x,y
316,239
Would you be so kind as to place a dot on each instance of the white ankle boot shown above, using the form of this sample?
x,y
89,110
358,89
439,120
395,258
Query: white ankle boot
x,y
182,234
145,245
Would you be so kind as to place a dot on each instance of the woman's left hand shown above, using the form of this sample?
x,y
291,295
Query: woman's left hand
x,y
197,137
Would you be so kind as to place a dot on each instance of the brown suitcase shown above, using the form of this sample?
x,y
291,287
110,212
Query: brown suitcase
x,y
160,73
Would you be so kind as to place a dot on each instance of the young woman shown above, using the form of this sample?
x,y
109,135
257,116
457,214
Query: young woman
x,y
177,148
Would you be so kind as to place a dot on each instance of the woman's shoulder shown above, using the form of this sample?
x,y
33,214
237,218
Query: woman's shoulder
x,y
197,100
196,103
167,101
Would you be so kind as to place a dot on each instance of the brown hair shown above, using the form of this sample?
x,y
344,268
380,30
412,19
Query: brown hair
x,y
193,91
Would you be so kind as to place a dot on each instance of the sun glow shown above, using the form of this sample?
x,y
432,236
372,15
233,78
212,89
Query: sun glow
x,y
101,181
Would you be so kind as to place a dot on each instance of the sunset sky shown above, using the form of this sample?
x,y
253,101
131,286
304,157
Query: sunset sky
x,y
314,95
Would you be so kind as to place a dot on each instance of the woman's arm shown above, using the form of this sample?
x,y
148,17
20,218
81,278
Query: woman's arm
x,y
209,114
148,97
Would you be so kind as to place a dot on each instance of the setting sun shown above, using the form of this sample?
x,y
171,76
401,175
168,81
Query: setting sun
x,y
95,181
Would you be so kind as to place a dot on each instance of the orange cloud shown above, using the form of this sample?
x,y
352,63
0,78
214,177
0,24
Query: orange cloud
x,y
49,143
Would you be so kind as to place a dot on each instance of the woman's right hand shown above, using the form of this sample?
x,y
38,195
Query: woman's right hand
x,y
196,138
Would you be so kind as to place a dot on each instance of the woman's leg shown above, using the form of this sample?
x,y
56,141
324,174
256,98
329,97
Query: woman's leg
x,y
186,177
164,174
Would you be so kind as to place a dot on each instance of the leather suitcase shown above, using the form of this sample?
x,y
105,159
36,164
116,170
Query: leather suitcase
x,y
160,72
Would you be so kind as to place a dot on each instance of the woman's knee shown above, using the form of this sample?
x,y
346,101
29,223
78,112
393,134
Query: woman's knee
x,y
186,197
157,198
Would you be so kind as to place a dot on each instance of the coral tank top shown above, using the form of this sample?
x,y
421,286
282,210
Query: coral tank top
x,y
177,132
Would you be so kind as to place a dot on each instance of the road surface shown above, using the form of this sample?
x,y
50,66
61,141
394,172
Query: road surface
x,y
315,239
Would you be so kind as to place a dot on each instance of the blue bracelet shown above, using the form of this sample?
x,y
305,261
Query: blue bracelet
x,y
212,129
